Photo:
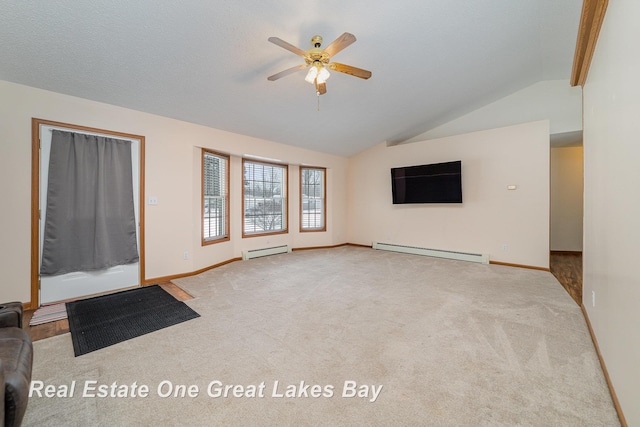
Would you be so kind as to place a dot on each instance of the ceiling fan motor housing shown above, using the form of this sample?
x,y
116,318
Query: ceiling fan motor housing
x,y
316,41
316,53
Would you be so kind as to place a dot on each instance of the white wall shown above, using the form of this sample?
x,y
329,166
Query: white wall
x,y
567,176
553,100
172,175
489,217
612,200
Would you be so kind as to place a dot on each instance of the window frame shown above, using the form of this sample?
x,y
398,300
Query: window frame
x,y
285,187
324,200
227,236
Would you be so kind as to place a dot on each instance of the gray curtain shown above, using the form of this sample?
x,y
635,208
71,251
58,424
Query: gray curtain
x,y
90,220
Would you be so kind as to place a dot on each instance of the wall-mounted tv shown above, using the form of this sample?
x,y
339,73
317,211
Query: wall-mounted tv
x,y
434,183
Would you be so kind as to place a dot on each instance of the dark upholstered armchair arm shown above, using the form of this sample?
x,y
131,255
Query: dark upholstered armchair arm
x,y
11,315
16,353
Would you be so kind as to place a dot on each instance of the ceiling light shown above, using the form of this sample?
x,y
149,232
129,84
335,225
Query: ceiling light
x,y
323,75
311,75
317,71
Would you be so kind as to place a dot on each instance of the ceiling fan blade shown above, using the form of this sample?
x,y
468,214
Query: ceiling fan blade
x,y
283,44
321,88
348,69
340,43
287,72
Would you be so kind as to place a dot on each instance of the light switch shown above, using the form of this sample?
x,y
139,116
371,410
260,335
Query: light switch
x,y
512,187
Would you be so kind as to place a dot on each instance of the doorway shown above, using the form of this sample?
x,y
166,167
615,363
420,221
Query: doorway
x,y
73,285
566,213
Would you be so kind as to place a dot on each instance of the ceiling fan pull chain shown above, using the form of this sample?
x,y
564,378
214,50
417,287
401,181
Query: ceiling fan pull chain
x,y
318,95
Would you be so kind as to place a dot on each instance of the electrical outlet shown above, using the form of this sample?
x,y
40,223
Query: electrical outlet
x,y
153,200
185,255
593,298
505,247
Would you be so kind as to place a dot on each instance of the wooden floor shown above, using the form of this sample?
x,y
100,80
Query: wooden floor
x,y
59,327
567,268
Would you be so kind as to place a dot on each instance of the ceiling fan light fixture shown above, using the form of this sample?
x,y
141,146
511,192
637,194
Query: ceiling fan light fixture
x,y
323,75
319,72
311,75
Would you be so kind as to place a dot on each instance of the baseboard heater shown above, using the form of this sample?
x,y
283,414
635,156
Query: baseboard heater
x,y
257,253
461,256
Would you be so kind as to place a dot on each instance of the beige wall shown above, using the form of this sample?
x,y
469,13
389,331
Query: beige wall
x,y
612,200
566,199
172,175
490,216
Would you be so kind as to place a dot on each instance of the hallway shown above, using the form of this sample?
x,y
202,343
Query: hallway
x,y
567,268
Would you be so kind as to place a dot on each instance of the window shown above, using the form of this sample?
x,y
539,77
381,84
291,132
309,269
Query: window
x,y
312,199
215,197
264,198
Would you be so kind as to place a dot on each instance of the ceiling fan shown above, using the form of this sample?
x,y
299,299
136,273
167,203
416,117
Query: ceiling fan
x,y
318,60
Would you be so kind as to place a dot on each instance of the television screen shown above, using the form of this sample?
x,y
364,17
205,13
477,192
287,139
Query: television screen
x,y
434,183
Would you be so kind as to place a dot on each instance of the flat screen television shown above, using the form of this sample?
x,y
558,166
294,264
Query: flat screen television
x,y
434,183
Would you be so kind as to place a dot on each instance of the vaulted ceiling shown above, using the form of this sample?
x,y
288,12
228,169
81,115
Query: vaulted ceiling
x,y
207,62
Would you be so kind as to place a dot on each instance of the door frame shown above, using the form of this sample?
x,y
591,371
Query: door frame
x,y
35,198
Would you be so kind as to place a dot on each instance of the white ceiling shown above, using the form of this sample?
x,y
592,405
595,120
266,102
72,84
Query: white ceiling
x,y
207,62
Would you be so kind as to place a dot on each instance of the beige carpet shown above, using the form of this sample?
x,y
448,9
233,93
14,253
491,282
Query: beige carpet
x,y
451,343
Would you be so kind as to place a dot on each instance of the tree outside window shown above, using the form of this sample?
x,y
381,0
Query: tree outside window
x,y
312,199
265,198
